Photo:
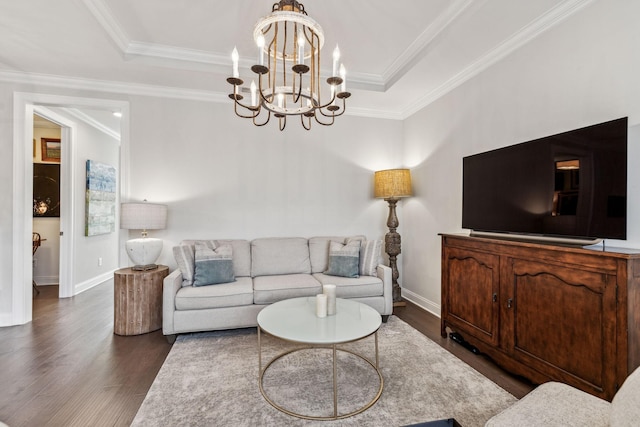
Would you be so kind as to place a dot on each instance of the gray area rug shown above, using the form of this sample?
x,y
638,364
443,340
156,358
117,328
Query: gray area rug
x,y
211,379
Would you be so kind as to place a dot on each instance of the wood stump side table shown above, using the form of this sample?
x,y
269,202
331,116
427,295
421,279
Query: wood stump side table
x,y
137,305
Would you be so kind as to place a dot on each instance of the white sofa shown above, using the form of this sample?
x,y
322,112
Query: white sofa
x,y
557,404
268,270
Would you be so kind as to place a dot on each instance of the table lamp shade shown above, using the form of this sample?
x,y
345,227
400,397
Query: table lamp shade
x,y
143,216
392,184
144,251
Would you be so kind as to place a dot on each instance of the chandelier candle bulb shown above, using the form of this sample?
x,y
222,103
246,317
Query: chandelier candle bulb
x,y
235,57
321,305
330,292
301,49
336,60
253,93
260,43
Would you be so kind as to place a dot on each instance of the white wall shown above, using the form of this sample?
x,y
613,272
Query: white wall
x,y
583,72
222,177
92,144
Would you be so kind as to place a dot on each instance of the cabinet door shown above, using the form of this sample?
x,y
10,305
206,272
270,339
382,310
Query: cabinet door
x,y
560,320
470,293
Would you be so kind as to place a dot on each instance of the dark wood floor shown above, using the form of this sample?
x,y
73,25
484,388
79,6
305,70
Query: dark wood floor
x,y
67,368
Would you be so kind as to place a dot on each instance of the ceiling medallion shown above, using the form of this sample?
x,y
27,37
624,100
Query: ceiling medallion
x,y
288,72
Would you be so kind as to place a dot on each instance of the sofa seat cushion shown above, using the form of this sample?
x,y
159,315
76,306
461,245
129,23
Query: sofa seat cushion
x,y
363,286
232,294
270,289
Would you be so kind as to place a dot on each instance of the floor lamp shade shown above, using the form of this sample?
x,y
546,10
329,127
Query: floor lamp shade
x,y
144,251
392,184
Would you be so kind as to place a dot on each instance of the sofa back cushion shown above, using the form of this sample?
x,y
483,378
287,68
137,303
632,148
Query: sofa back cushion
x,y
319,251
280,255
241,254
625,406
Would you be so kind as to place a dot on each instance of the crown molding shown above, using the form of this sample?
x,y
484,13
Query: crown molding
x,y
417,49
84,117
105,18
93,85
529,32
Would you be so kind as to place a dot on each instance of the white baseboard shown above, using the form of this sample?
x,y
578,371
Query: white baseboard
x,y
94,281
46,280
6,319
422,302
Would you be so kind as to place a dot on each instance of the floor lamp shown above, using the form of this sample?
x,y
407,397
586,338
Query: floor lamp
x,y
391,185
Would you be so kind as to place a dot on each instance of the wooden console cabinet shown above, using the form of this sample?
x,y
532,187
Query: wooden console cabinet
x,y
546,312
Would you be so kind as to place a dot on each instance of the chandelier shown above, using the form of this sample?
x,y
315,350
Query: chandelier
x,y
288,72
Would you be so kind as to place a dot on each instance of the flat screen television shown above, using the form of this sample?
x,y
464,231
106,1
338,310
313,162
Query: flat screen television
x,y
571,185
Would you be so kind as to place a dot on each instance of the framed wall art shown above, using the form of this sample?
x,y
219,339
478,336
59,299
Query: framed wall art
x,y
100,210
50,149
46,190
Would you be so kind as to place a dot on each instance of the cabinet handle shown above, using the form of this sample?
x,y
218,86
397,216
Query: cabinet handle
x,y
495,297
509,302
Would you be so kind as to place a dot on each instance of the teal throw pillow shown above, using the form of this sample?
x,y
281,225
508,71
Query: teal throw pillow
x,y
344,260
213,266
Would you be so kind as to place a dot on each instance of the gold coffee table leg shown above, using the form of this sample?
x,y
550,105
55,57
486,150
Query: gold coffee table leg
x,y
335,349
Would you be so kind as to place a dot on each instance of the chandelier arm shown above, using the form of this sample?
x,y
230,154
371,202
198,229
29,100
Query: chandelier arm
x,y
305,126
333,98
282,121
322,123
333,113
256,111
297,95
263,123
262,97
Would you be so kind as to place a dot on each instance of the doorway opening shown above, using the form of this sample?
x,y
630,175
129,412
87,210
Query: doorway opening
x,y
68,112
46,202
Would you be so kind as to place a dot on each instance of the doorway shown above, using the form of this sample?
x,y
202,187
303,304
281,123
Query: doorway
x,y
47,149
25,105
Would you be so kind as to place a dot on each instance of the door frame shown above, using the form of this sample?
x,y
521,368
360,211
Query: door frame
x,y
24,105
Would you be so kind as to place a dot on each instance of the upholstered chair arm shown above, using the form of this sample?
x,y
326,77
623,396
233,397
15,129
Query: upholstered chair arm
x,y
384,273
170,287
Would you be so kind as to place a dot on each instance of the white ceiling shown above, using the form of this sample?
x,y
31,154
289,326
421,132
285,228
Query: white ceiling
x,y
400,55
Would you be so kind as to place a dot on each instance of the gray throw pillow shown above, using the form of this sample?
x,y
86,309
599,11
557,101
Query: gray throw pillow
x,y
344,260
370,257
185,258
213,266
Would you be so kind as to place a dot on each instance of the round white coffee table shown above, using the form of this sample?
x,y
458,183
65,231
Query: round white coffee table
x,y
295,320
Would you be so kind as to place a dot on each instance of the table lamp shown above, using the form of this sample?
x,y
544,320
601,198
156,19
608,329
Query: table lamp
x,y
144,216
391,185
